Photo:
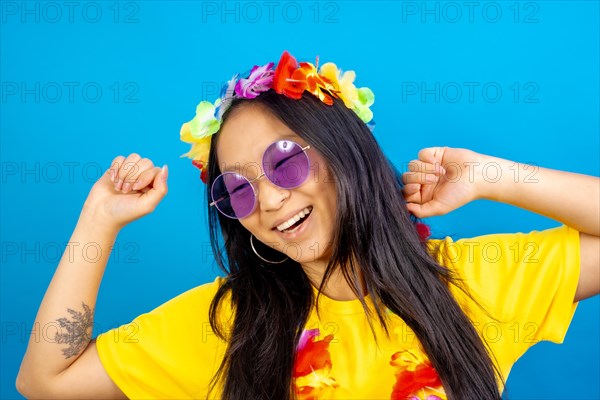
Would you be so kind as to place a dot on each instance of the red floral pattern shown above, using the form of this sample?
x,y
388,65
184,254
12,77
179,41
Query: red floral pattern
x,y
312,366
416,378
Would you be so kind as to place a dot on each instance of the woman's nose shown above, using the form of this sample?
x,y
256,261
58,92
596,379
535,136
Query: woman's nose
x,y
270,196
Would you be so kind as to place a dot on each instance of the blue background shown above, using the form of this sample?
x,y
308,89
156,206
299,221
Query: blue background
x,y
155,60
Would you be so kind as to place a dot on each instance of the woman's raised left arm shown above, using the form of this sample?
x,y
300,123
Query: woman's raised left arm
x,y
443,179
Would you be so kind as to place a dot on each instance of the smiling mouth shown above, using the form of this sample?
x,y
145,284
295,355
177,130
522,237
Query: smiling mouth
x,y
295,226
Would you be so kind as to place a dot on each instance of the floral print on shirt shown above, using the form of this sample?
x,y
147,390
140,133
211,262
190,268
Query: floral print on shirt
x,y
312,366
416,379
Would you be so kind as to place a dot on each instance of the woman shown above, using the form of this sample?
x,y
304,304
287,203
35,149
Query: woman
x,y
332,289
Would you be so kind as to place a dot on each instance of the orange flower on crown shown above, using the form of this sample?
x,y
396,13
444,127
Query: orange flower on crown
x,y
291,80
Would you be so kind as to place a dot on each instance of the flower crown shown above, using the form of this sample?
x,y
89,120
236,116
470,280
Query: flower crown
x,y
288,78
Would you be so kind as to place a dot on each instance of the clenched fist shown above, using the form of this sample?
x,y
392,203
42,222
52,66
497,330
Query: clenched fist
x,y
131,188
440,180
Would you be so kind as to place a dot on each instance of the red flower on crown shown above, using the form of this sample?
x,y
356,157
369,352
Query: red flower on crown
x,y
285,69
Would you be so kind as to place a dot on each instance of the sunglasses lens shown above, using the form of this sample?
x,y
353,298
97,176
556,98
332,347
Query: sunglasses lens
x,y
286,164
233,195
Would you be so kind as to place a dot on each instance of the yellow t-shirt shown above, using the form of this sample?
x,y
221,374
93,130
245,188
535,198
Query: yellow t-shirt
x,y
526,280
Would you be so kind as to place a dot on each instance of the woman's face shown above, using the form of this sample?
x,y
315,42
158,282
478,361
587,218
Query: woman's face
x,y
243,139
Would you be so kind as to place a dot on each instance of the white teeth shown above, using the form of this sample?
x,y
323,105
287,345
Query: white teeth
x,y
294,219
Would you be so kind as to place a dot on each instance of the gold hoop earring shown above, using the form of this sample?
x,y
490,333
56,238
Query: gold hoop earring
x,y
264,259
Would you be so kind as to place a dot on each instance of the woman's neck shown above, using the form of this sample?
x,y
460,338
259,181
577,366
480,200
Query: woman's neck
x,y
336,287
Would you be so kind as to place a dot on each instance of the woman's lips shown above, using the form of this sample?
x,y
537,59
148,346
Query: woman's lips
x,y
299,230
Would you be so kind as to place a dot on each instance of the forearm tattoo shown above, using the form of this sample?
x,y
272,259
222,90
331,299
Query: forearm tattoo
x,y
76,332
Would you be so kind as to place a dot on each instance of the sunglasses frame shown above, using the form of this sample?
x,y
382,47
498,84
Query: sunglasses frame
x,y
251,181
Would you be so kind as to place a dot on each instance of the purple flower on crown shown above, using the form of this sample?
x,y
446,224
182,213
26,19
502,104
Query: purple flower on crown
x,y
260,80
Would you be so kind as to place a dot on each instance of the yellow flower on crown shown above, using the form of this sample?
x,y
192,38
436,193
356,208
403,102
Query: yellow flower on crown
x,y
358,100
198,132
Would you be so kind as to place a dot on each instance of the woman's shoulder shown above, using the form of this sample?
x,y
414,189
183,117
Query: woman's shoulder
x,y
196,298
504,248
204,291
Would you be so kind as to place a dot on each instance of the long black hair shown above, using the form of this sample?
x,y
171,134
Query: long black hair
x,y
374,237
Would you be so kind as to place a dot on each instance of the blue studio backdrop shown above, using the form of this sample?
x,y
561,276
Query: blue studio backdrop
x,y
83,82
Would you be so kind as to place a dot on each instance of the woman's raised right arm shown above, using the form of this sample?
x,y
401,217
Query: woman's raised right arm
x,y
67,364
